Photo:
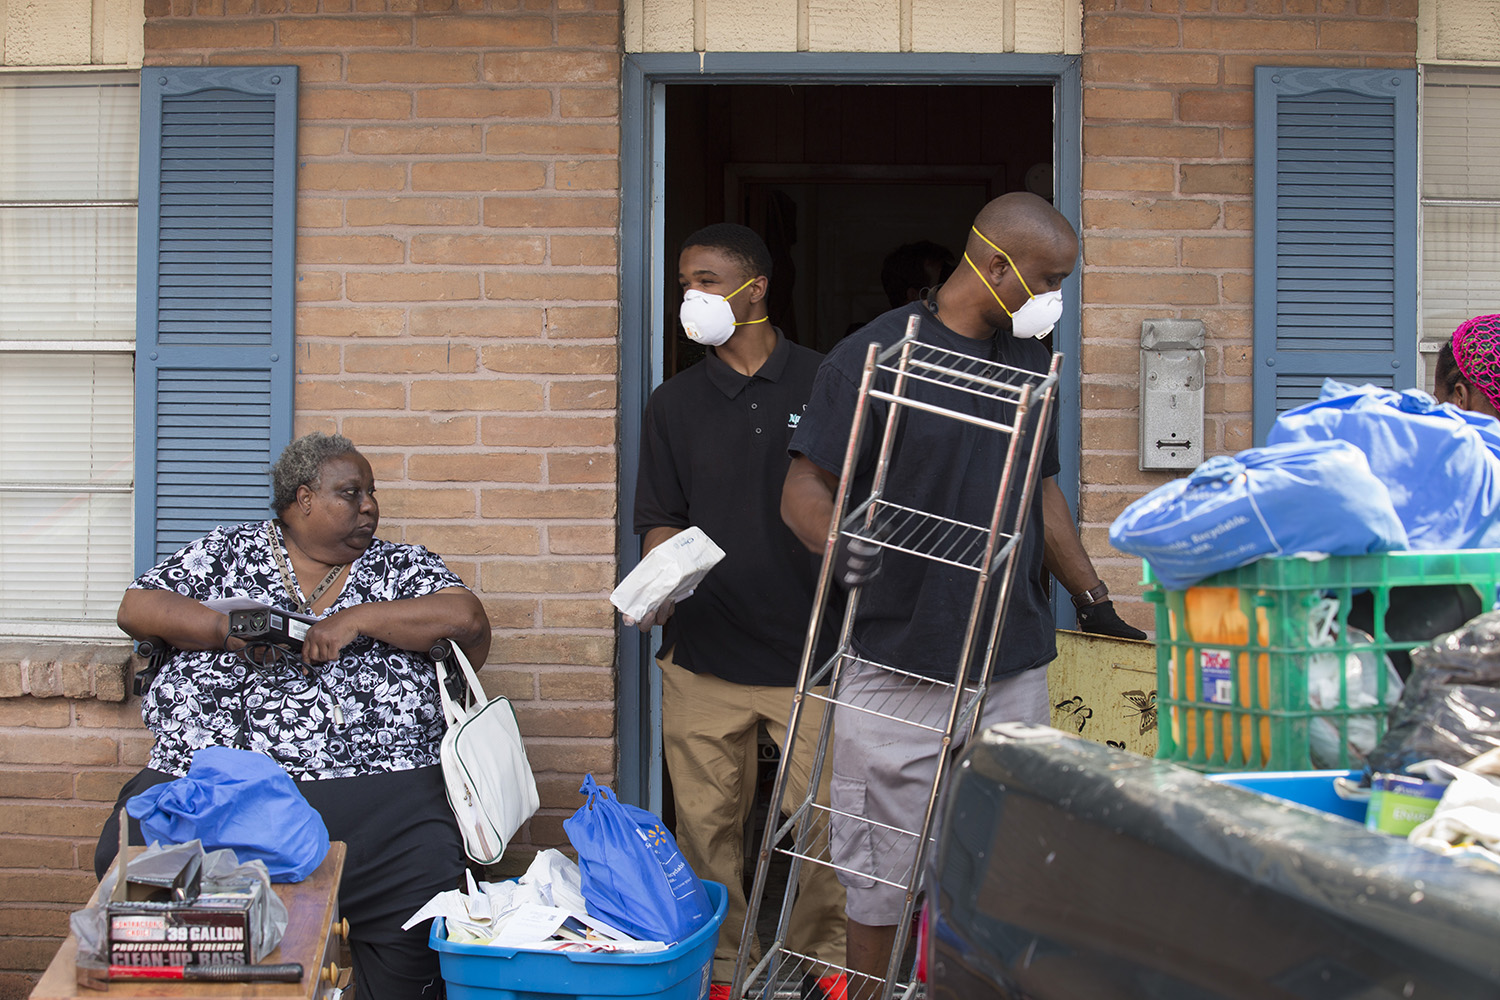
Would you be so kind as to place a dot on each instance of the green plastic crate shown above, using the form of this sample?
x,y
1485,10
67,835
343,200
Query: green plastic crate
x,y
1243,705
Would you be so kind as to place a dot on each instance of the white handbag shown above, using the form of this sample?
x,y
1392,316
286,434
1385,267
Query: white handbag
x,y
490,785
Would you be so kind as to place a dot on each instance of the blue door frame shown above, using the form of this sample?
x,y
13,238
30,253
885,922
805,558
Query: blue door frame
x,y
642,259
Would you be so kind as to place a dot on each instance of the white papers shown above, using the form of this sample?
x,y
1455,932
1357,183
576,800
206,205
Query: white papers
x,y
671,571
557,880
542,911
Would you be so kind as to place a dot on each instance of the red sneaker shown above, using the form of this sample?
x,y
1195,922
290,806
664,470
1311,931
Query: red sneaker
x,y
718,991
834,987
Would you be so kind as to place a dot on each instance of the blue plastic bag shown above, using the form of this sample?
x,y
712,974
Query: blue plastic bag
x,y
634,877
240,800
1279,500
1440,464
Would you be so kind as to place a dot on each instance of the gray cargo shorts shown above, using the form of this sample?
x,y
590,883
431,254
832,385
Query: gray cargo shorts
x,y
883,769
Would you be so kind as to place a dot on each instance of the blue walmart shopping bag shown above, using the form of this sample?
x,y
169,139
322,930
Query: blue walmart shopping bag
x,y
634,877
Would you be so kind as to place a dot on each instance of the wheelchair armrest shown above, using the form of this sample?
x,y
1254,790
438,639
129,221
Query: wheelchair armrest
x,y
442,652
155,651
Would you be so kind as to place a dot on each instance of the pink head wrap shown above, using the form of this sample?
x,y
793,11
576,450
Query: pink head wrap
x,y
1476,350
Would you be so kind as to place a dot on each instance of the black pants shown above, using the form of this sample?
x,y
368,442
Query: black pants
x,y
403,848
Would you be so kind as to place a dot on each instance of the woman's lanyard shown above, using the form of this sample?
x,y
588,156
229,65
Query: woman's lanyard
x,y
303,604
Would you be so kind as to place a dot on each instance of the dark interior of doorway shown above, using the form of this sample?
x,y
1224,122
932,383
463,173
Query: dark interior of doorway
x,y
835,177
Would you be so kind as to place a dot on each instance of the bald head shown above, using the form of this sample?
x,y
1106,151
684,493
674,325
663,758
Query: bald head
x,y
1020,248
1023,225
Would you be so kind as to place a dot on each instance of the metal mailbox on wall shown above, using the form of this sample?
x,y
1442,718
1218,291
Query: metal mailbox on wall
x,y
1172,370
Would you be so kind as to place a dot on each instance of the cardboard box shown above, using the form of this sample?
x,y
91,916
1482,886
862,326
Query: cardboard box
x,y
1399,803
1104,689
211,929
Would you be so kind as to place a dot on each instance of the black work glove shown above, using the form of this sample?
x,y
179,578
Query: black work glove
x,y
1102,619
856,561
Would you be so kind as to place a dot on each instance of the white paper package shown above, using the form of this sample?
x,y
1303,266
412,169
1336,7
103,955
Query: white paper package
x,y
671,571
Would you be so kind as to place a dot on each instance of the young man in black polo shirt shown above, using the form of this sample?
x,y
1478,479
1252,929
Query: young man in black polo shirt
x,y
714,455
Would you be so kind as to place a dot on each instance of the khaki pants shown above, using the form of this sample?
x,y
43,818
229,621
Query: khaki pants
x,y
709,729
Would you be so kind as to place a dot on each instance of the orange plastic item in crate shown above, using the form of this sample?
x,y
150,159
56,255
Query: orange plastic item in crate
x,y
1215,618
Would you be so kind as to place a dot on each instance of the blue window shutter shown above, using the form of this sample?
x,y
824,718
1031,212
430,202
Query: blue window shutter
x,y
214,377
1335,232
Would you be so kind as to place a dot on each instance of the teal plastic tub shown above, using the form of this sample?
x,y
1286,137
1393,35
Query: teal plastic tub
x,y
485,972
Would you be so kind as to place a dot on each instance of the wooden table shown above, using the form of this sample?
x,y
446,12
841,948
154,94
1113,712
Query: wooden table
x,y
312,937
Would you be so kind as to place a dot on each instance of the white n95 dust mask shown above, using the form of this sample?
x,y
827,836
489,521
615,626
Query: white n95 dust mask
x,y
1038,315
708,319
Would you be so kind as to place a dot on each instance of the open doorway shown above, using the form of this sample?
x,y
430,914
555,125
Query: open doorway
x,y
927,114
835,177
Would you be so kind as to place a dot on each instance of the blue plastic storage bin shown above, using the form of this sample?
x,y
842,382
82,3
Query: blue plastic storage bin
x,y
485,972
1309,788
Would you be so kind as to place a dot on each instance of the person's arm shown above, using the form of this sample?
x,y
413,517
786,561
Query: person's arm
x,y
807,502
654,537
181,622
1063,552
807,508
413,623
1065,558
661,504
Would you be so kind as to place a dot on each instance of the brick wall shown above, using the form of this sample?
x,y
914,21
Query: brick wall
x,y
1167,207
68,741
458,199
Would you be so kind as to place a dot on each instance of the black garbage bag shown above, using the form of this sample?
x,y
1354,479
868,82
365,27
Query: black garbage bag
x,y
1470,654
1453,723
1450,709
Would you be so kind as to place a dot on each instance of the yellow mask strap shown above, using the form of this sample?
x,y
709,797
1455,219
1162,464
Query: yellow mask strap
x,y
737,291
1029,293
988,285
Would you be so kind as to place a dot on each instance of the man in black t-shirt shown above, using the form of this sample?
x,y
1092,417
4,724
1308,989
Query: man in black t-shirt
x,y
714,456
1001,299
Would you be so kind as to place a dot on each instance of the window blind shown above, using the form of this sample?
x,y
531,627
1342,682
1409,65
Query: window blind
x,y
65,462
1460,198
67,329
67,274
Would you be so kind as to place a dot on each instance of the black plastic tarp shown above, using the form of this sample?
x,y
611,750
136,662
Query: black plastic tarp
x,y
1066,869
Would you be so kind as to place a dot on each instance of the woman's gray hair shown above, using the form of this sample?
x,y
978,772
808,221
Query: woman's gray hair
x,y
301,464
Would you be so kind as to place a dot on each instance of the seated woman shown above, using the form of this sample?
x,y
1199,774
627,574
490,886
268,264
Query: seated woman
x,y
359,730
1467,373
